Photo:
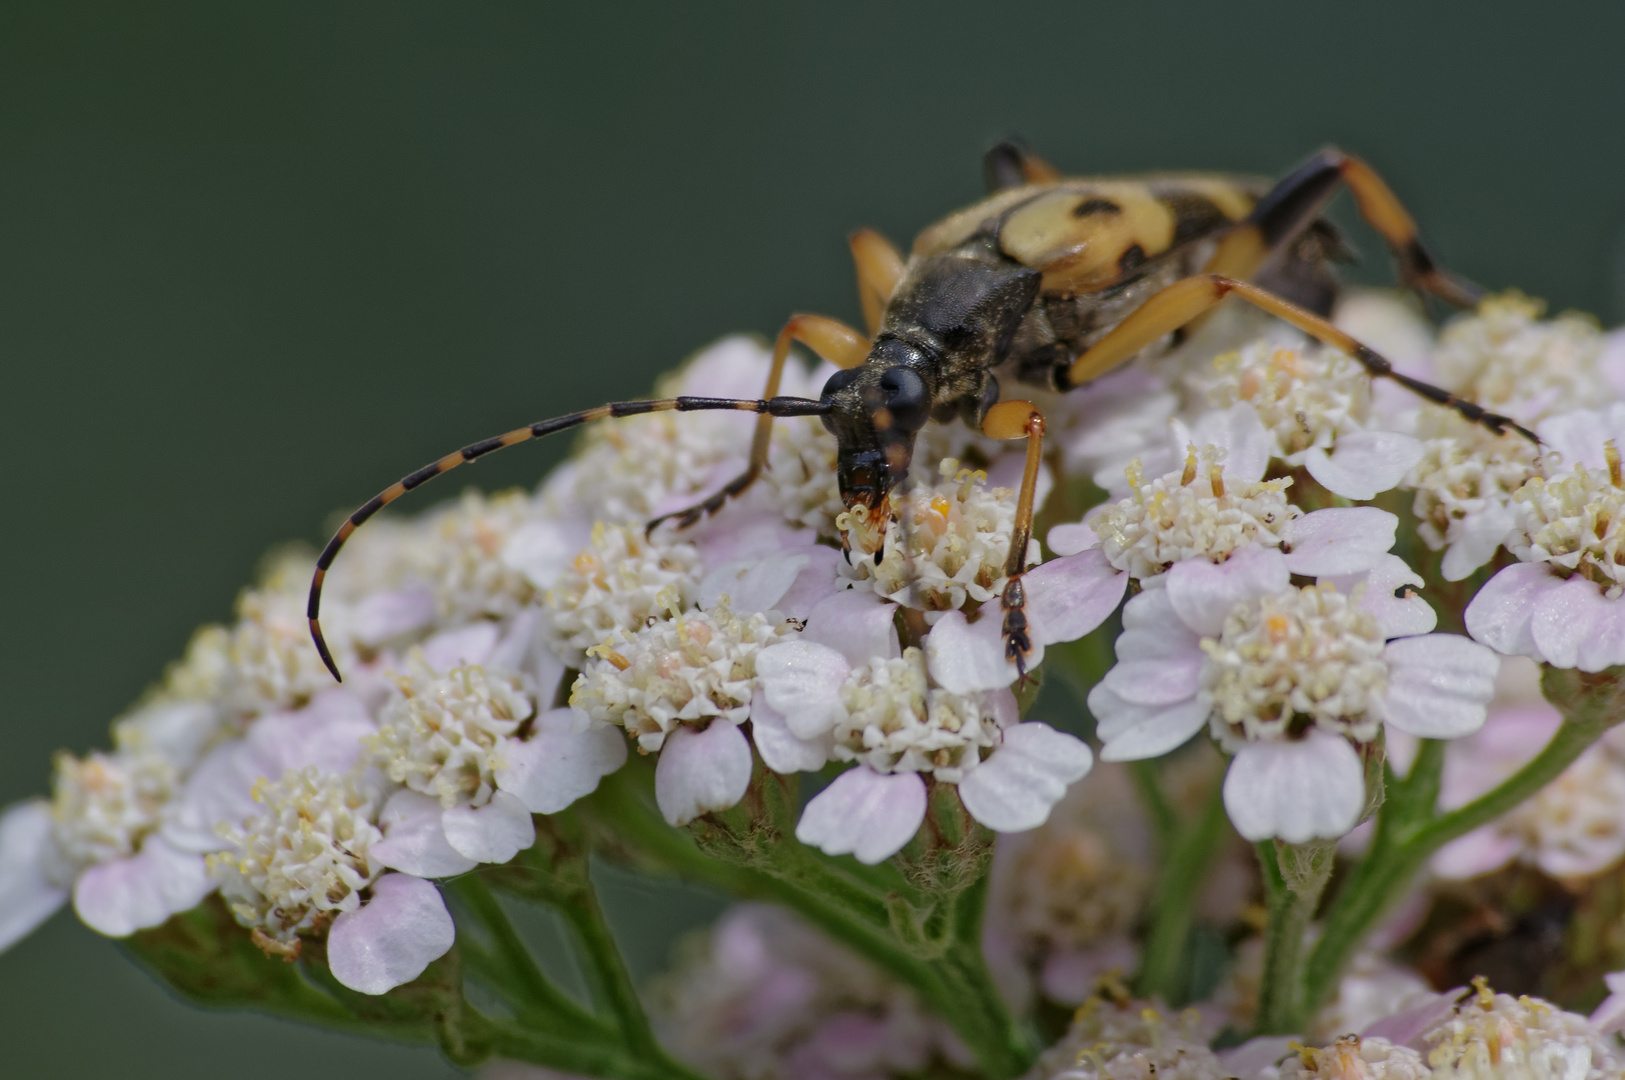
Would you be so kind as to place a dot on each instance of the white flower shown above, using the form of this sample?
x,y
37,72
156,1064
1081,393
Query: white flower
x,y
1287,677
843,691
939,545
1561,603
1315,404
29,889
1354,1058
459,556
613,583
1131,1040
1498,1037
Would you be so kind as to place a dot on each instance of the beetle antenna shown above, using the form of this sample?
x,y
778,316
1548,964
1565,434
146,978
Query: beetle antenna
x,y
777,406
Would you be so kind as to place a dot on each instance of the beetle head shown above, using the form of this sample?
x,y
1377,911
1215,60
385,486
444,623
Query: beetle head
x,y
875,412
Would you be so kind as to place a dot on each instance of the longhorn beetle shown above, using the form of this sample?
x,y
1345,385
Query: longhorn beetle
x,y
1050,281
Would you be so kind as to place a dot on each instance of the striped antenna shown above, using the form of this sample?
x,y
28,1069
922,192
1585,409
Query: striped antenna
x,y
778,406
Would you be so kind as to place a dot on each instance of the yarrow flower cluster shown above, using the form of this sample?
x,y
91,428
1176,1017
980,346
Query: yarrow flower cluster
x,y
1231,563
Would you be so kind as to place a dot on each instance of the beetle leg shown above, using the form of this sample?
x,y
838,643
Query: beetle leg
x,y
829,338
1189,298
1018,420
1294,203
1011,165
880,268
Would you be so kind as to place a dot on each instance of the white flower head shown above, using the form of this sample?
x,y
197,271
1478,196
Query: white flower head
x,y
693,668
1506,357
1498,1037
443,734
1561,603
614,584
1354,1058
1131,1040
1316,405
940,545
302,860
105,805
1288,677
459,555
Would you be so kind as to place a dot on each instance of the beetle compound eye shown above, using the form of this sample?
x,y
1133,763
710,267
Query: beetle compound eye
x,y
907,398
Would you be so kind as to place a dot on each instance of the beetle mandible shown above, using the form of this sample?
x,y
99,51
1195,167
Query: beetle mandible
x,y
1049,281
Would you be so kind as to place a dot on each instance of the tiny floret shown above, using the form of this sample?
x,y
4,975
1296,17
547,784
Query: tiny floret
x,y
444,734
104,805
893,721
614,584
303,860
1498,1037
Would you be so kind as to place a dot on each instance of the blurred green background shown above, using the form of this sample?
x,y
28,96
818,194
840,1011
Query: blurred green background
x,y
257,260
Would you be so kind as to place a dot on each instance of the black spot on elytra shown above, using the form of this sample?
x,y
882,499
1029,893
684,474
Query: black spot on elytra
x,y
1093,205
1131,260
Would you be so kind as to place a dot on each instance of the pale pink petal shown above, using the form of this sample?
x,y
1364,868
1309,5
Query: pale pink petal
x,y
384,615
1399,616
817,582
1438,685
1026,775
563,760
1156,667
1502,614
858,625
1339,540
701,771
801,680
26,850
1295,790
1204,593
120,897
1580,435
1406,1027
741,535
465,645
1363,464
415,840
493,833
1236,430
1152,609
864,814
1575,626
1481,851
1067,598
392,938
752,585
1252,1057
964,657
1476,539
541,550
781,750
1131,732
514,650
1071,538
1610,1015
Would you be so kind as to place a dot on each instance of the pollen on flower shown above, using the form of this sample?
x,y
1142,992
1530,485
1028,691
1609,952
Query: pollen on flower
x,y
1465,471
1302,657
444,734
1305,397
302,860
692,668
103,805
459,555
942,544
614,584
1195,513
1498,1037
1506,357
1573,522
893,721
1120,1039
1354,1058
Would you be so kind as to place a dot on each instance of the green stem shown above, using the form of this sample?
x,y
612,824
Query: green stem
x,y
1163,819
1294,877
606,972
1002,1045
1188,855
509,967
1409,832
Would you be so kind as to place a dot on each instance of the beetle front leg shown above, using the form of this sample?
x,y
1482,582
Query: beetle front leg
x,y
832,340
1018,420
